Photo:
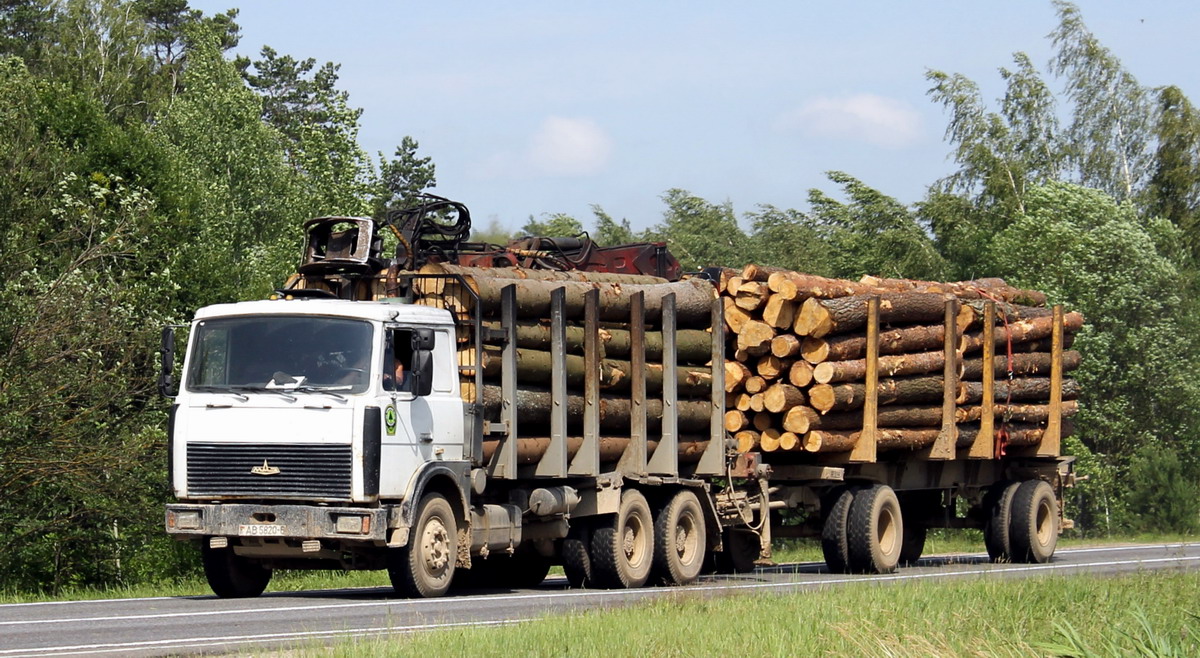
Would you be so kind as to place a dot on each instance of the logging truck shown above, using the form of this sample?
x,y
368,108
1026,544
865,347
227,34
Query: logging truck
x,y
469,415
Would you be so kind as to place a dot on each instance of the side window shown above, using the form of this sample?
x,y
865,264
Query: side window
x,y
397,361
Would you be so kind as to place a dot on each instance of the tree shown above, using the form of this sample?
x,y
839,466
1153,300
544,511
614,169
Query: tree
x,y
610,232
403,177
788,238
701,234
556,225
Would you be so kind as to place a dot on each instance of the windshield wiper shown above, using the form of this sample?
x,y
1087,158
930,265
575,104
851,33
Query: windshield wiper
x,y
264,389
213,388
327,390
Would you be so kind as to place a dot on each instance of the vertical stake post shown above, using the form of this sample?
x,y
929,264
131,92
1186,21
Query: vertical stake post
x,y
944,446
633,460
553,463
665,460
504,461
712,462
865,450
1051,443
984,446
587,459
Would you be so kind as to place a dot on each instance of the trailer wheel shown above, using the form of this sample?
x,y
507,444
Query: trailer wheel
x,y
622,549
914,543
1033,525
232,576
577,563
834,540
875,530
998,506
741,549
680,539
425,567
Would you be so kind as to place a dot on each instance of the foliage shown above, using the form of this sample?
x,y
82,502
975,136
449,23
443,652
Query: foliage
x,y
557,225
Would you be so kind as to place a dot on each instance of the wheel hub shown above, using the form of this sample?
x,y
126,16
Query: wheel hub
x,y
435,545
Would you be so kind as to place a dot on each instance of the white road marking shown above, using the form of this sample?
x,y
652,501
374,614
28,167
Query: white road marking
x,y
609,593
197,642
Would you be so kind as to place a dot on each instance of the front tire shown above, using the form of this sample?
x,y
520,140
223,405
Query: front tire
x,y
1033,526
232,576
680,539
622,550
425,567
875,530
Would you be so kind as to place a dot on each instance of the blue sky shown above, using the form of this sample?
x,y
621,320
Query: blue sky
x,y
530,108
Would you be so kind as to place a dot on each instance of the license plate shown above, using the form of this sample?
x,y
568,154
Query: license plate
x,y
260,530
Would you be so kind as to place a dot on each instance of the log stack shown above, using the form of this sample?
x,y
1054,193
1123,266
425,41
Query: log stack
x,y
465,290
962,369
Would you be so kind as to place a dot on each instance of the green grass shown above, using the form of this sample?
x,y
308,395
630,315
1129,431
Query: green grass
x,y
791,550
1143,614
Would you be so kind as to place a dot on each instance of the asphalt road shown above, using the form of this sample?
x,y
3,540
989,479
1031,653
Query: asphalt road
x,y
205,624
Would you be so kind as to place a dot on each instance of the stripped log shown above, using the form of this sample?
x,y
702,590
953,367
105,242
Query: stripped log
x,y
530,450
535,407
844,397
1033,363
822,317
1021,388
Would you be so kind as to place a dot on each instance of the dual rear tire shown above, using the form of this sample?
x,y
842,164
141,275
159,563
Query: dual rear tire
x,y
1022,523
863,530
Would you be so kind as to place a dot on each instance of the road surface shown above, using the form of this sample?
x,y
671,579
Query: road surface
x,y
205,624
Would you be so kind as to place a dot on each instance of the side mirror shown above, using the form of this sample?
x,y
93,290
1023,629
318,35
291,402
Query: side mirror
x,y
166,366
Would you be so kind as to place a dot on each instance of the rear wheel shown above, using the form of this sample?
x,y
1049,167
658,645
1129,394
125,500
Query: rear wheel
x,y
232,576
740,549
998,506
875,530
834,541
622,550
680,539
577,563
914,543
1033,524
425,567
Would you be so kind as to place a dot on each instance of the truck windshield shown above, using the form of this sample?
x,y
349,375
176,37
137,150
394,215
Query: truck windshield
x,y
281,353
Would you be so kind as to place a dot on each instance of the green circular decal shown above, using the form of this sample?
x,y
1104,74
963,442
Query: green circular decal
x,y
389,419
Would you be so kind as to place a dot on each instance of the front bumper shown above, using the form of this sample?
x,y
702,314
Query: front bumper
x,y
186,520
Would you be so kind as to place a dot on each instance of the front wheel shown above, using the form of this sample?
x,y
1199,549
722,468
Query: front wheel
x,y
425,567
232,576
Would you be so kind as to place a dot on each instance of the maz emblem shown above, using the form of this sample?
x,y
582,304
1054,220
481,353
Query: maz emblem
x,y
265,469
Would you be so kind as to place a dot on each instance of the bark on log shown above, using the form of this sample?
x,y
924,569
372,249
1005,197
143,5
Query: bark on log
x,y
906,439
889,416
799,287
1021,388
1022,332
1019,434
976,289
896,365
534,408
844,397
800,374
825,441
529,274
1017,413
822,317
530,450
893,341
1032,363
693,297
535,366
781,397
691,345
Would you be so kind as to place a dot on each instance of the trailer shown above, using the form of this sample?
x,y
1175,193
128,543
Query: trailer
x,y
321,428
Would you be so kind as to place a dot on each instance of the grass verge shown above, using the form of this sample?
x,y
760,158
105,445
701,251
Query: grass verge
x,y
1139,614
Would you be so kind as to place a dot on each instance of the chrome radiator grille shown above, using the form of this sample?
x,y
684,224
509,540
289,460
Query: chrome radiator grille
x,y
269,470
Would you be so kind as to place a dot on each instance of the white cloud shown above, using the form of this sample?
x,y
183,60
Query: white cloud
x,y
562,147
868,118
